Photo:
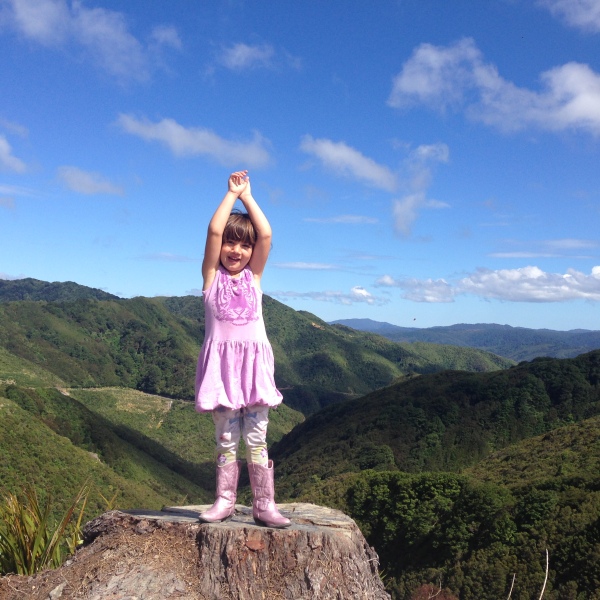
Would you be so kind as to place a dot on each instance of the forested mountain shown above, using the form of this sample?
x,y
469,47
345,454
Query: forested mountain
x,y
34,289
516,343
152,344
395,461
459,478
440,422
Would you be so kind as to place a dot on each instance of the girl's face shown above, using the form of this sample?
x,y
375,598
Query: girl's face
x,y
235,255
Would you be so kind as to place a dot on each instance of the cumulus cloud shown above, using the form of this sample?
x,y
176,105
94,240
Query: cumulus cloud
x,y
85,182
103,34
344,219
526,284
346,161
8,160
419,165
195,141
8,277
457,77
357,294
582,14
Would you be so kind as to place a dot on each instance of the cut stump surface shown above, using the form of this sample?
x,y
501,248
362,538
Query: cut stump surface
x,y
168,554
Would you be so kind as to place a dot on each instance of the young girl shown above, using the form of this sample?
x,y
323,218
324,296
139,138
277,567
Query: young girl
x,y
234,378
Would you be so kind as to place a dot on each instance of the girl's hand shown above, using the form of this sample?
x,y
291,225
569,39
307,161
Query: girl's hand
x,y
247,191
238,182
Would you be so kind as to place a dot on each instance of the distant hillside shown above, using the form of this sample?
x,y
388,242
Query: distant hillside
x,y
147,449
152,344
439,422
516,343
34,289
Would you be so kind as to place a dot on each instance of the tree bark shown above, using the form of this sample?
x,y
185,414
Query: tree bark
x,y
168,554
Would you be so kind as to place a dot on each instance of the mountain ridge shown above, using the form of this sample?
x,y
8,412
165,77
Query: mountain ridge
x,y
516,343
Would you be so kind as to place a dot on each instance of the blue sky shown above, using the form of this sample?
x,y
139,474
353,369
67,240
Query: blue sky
x,y
422,162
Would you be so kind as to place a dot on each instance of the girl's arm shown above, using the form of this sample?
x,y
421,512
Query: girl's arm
x,y
260,252
214,236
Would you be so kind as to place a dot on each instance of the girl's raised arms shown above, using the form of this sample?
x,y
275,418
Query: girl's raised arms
x,y
261,250
214,236
238,187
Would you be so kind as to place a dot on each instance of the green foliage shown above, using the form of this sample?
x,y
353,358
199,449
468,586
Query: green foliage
x,y
31,451
96,389
470,537
440,422
29,541
152,345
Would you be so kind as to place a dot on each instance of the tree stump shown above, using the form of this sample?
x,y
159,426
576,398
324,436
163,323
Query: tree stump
x,y
168,554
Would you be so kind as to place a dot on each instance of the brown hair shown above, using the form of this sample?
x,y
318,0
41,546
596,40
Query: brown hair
x,y
239,227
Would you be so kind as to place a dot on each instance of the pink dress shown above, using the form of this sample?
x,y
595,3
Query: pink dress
x,y
235,367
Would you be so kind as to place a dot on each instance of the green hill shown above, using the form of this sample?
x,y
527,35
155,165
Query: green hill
x,y
149,449
396,461
34,289
151,344
439,422
31,451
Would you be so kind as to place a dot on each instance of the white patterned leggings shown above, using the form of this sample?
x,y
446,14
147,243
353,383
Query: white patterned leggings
x,y
251,423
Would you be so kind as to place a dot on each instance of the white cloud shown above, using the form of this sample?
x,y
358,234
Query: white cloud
x,y
344,219
526,284
420,290
194,141
307,266
7,160
349,162
419,165
457,77
572,244
85,182
405,212
45,21
15,190
102,33
8,277
242,56
531,284
357,294
583,14
166,35
548,248
15,128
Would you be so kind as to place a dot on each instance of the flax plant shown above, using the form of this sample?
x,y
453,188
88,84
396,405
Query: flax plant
x,y
29,540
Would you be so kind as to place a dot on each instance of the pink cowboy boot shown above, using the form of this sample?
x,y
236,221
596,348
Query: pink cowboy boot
x,y
227,482
264,509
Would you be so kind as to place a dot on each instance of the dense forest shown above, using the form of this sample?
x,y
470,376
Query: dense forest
x,y
461,468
